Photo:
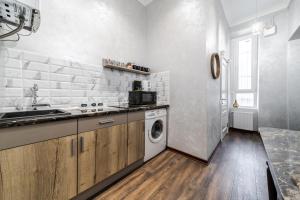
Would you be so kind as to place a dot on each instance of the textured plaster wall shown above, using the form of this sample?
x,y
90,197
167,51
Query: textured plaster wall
x,y
182,34
273,76
279,71
88,31
294,84
217,39
174,35
176,42
272,67
294,16
294,68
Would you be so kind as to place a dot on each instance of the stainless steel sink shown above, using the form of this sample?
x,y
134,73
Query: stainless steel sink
x,y
30,114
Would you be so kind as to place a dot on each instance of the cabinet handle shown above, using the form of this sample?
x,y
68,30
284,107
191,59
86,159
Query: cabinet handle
x,y
81,144
73,147
108,121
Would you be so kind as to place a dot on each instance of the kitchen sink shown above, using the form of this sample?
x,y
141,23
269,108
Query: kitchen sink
x,y
30,114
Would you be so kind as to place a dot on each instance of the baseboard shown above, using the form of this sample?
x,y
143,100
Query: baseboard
x,y
214,152
206,162
241,131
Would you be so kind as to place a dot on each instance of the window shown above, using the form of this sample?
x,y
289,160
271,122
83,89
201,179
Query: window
x,y
245,99
245,64
245,71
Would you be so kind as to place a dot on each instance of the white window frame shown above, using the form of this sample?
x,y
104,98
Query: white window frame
x,y
235,58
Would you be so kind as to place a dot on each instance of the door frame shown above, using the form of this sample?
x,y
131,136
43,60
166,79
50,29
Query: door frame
x,y
227,60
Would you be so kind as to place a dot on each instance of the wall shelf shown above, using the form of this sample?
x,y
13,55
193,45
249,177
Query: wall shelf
x,y
126,70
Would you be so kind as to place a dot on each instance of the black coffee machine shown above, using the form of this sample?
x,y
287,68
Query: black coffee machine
x,y
137,86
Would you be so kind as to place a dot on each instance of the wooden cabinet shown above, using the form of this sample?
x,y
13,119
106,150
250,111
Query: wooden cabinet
x,y
103,151
59,169
111,151
45,170
86,160
136,141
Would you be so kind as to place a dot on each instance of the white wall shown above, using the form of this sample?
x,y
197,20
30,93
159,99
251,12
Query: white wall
x,y
176,42
181,36
294,16
89,31
294,84
175,35
217,40
67,83
74,32
273,76
293,68
272,64
279,73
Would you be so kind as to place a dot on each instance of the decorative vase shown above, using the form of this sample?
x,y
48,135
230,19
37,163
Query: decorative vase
x,y
236,104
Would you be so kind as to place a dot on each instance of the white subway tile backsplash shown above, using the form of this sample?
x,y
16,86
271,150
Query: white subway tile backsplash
x,y
43,84
12,92
60,85
10,102
60,93
64,101
29,56
81,79
60,62
12,83
65,83
79,86
79,93
11,63
42,92
36,66
61,77
35,75
12,73
12,53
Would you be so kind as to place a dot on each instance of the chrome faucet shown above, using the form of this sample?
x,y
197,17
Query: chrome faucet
x,y
34,91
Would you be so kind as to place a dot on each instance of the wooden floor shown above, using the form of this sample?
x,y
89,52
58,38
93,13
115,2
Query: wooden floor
x,y
237,172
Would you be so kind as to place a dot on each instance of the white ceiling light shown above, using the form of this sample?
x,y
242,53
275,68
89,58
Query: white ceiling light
x,y
270,29
145,2
257,27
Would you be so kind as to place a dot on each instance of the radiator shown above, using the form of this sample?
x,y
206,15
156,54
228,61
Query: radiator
x,y
243,120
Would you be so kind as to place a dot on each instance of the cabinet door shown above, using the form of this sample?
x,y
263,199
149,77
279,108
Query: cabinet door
x,y
86,160
111,151
136,141
46,170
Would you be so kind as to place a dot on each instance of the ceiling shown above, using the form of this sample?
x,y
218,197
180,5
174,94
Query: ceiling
x,y
145,2
240,11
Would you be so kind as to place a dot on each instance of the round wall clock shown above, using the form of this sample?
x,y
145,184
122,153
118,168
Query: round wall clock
x,y
215,65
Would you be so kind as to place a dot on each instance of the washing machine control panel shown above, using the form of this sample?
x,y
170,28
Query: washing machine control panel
x,y
155,113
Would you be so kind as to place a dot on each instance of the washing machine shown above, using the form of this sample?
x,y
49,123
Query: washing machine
x,y
155,132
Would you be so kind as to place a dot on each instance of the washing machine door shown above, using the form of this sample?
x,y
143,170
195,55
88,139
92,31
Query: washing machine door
x,y
156,132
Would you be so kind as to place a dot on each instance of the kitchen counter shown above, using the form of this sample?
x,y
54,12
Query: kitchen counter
x,y
76,114
283,150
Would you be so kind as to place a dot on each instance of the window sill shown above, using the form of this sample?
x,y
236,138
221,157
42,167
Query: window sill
x,y
244,109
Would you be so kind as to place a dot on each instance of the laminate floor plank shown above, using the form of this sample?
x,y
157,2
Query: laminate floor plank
x,y
236,172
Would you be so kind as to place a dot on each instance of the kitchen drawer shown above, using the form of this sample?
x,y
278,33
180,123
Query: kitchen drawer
x,y
136,116
20,136
90,124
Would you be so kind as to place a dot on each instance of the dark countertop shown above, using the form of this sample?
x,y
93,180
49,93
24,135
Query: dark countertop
x,y
76,114
283,150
